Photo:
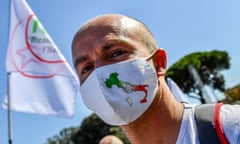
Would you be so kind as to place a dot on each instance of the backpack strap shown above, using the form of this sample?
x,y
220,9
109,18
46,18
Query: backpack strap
x,y
209,124
204,115
218,124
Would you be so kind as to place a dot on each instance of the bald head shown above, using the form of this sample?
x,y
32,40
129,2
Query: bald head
x,y
110,139
109,39
121,25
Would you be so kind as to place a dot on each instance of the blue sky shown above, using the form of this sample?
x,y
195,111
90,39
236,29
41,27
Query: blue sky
x,y
181,27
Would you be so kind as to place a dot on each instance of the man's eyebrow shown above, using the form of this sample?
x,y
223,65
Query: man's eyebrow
x,y
79,60
109,45
105,47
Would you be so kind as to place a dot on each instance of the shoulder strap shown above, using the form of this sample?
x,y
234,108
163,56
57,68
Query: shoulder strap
x,y
204,115
218,124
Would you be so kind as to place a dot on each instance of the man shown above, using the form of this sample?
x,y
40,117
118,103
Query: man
x,y
121,71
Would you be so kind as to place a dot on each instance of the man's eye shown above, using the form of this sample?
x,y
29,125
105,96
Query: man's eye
x,y
117,53
86,69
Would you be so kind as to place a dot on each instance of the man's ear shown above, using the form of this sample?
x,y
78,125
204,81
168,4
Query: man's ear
x,y
160,61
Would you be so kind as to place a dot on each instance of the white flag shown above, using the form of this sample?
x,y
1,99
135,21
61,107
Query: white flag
x,y
41,81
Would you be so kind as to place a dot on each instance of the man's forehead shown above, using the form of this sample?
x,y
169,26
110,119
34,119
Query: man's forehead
x,y
128,23
109,22
95,31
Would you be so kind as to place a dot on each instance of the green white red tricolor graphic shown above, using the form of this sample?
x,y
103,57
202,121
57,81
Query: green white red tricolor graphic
x,y
126,86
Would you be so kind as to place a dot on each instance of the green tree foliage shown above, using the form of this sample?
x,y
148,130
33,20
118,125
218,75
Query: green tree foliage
x,y
64,136
91,130
208,65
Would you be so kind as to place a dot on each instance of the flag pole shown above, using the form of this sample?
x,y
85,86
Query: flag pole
x,y
8,93
9,111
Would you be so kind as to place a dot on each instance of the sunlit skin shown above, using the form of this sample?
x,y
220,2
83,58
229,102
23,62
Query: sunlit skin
x,y
113,38
110,139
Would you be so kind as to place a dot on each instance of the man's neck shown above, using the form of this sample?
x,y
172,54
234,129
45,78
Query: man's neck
x,y
159,124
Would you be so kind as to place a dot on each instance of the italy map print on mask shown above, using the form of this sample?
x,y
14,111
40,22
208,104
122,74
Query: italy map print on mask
x,y
127,87
41,81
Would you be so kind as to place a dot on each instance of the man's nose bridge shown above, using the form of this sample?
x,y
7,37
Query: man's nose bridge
x,y
96,59
99,62
99,58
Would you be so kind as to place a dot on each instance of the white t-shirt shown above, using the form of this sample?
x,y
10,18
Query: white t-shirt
x,y
230,118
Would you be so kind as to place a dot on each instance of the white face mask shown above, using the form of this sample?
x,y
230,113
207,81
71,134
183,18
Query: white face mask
x,y
120,93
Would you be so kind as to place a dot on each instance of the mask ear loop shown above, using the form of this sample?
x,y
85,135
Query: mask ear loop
x,y
148,58
161,60
151,55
